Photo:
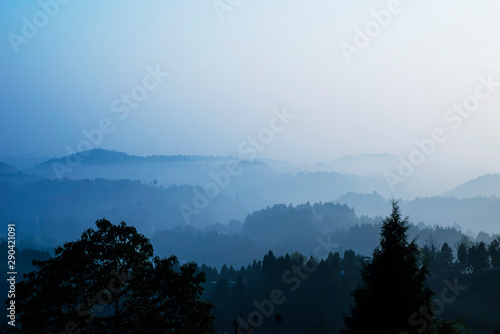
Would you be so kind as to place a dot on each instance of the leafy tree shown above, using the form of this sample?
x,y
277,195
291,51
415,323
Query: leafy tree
x,y
170,302
108,282
393,286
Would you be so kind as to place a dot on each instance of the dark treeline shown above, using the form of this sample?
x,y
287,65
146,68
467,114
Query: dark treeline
x,y
286,229
317,292
282,228
471,257
304,294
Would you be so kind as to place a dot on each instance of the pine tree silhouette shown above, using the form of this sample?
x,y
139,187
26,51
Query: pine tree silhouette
x,y
393,286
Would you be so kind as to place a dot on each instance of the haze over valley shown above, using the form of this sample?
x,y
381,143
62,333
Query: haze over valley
x,y
250,167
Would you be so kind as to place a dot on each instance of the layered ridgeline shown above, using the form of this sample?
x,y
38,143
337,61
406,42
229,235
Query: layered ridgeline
x,y
362,174
257,183
195,195
47,212
472,214
52,209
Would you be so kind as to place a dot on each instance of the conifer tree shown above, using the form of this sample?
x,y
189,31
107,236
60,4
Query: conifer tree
x,y
393,286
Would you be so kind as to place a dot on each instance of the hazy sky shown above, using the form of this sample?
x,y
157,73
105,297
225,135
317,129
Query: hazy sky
x,y
226,77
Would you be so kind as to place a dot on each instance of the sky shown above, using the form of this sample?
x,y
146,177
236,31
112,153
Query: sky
x,y
225,69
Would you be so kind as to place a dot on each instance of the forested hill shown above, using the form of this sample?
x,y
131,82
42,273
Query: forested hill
x,y
50,211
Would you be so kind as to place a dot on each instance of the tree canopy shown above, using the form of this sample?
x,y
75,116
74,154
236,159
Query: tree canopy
x,y
109,282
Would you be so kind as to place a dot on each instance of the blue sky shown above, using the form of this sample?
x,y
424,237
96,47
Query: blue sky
x,y
226,77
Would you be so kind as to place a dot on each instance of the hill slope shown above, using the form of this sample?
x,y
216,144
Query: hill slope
x,y
486,185
7,169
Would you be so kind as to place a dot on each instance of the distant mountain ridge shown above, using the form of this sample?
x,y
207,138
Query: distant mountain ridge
x,y
7,169
358,174
22,162
482,186
102,156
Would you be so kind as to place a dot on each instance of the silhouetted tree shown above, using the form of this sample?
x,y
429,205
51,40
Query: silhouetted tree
x,y
238,294
168,301
239,289
224,272
463,254
445,259
221,291
494,250
450,327
211,273
430,256
269,266
393,286
107,282
479,257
